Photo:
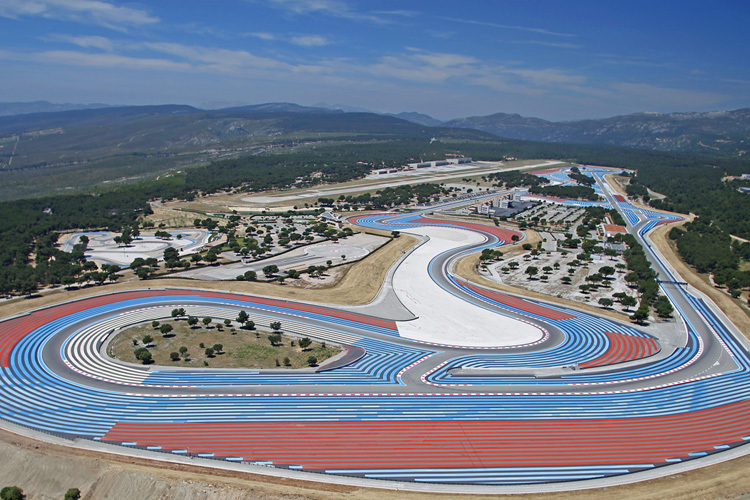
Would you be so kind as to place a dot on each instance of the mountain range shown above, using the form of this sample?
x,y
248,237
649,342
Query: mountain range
x,y
717,131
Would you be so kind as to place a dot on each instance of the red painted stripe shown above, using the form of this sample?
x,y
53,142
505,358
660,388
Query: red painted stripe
x,y
502,233
620,198
335,445
520,304
624,348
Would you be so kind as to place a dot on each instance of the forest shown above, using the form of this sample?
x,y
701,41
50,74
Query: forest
x,y
691,183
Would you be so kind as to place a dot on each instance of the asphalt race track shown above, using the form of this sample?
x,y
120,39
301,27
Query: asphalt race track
x,y
588,398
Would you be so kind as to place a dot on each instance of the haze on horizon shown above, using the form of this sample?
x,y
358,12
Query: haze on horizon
x,y
547,59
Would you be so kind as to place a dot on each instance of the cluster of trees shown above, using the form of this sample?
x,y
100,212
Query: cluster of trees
x,y
16,493
389,197
569,192
706,247
516,179
644,278
490,254
580,178
30,225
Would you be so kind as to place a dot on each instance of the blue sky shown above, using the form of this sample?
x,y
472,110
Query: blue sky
x,y
559,60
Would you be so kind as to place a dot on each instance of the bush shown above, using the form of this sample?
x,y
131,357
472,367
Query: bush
x,y
72,494
143,355
312,360
274,339
12,493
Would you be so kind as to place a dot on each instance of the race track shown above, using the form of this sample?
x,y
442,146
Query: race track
x,y
488,389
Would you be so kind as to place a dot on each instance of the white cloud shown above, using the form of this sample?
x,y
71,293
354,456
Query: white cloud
x,y
99,60
300,40
437,68
262,35
87,42
239,62
557,45
310,40
530,29
84,11
335,8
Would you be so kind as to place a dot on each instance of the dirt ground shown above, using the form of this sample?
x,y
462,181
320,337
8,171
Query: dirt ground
x,y
241,349
467,269
46,471
553,287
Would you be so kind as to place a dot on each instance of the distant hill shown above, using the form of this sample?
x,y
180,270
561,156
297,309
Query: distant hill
x,y
719,131
419,118
282,107
23,108
70,150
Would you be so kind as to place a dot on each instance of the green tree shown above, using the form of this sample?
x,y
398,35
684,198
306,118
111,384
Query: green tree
x,y
192,321
250,325
270,270
640,315
147,339
143,355
174,356
663,307
72,494
155,324
207,321
532,271
242,317
251,275
287,362
183,350
607,270
218,348
12,493
304,343
178,313
312,360
209,352
628,301
606,302
275,326
165,329
274,339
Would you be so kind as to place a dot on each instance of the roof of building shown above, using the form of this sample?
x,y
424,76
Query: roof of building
x,y
612,228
